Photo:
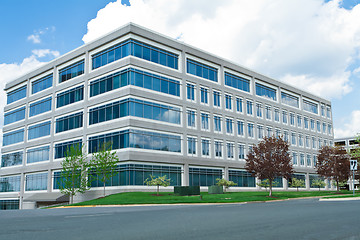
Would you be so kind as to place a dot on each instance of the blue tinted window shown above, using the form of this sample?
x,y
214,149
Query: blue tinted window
x,y
11,159
137,139
39,130
289,99
265,91
204,176
14,116
42,83
201,70
13,137
69,122
137,78
137,49
310,107
16,95
35,182
71,71
62,148
143,109
38,154
237,82
242,178
70,96
40,106
10,184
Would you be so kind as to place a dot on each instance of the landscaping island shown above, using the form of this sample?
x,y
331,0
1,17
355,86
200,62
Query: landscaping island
x,y
129,198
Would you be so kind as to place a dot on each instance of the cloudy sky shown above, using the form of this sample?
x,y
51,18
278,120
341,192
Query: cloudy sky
x,y
312,44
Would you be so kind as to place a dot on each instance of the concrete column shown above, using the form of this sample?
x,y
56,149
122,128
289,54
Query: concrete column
x,y
185,176
285,184
226,173
307,181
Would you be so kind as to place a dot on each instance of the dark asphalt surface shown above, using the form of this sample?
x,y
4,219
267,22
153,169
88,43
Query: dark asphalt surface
x,y
295,219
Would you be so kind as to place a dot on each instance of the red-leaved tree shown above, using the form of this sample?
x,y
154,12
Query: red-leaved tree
x,y
269,159
333,163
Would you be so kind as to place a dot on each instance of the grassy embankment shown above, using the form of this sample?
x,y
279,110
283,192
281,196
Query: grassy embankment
x,y
170,198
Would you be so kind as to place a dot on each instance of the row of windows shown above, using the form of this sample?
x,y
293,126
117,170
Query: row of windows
x,y
70,96
32,156
71,71
69,122
137,49
39,130
14,116
42,83
134,107
201,70
137,78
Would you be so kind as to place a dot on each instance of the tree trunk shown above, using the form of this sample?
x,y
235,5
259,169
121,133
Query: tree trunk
x,y
157,193
104,189
270,188
337,186
71,198
297,189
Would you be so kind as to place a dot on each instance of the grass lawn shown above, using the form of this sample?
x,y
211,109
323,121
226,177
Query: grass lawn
x,y
170,198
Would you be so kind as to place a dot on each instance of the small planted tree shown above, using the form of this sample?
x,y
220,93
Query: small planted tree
x,y
225,183
333,163
269,159
104,163
73,173
318,183
266,183
297,183
159,181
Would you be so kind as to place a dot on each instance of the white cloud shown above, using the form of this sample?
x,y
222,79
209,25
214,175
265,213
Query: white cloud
x,y
351,128
35,38
44,52
308,43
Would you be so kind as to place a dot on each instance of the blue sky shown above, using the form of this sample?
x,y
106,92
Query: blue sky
x,y
308,43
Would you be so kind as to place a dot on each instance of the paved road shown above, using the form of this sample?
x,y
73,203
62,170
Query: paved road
x,y
296,219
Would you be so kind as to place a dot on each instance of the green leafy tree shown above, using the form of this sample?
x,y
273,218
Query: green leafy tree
x,y
266,183
104,163
159,181
333,163
297,183
270,159
225,183
73,173
318,183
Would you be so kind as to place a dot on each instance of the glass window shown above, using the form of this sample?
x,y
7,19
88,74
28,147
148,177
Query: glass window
x,y
69,122
259,110
191,118
137,49
306,123
237,82
307,141
205,147
230,150
10,184
329,129
204,176
268,112
277,115
228,101
70,96
286,136
313,142
191,145
312,124
294,158
39,130
328,112
308,160
71,71
249,107
241,151
204,121
204,94
292,119
14,116
289,100
323,110
239,105
216,98
260,132
11,159
277,133
240,128
299,122
324,127
242,178
62,148
217,123
268,132
265,91
310,106
293,139
201,70
16,94
302,159
190,90
284,117
250,130
229,126
13,137
42,83
318,126
39,154
218,149
134,107
301,140
39,107
36,182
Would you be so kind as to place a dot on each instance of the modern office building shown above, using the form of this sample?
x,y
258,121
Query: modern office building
x,y
348,143
167,107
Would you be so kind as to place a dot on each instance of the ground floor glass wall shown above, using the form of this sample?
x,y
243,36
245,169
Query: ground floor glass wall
x,y
203,176
242,178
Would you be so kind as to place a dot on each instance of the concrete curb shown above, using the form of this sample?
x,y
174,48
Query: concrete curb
x,y
339,199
